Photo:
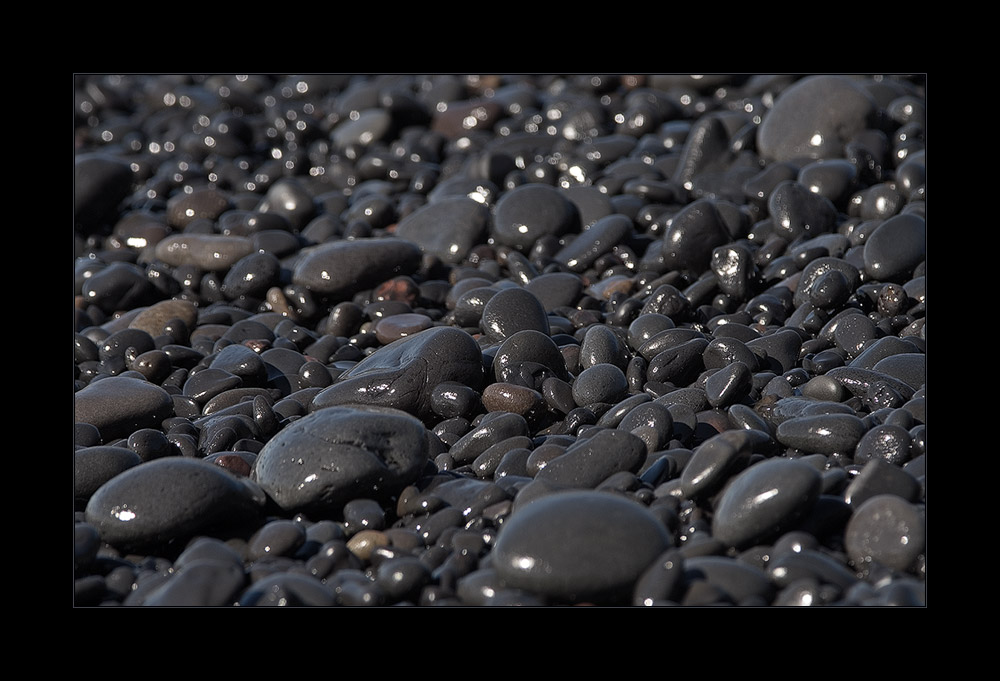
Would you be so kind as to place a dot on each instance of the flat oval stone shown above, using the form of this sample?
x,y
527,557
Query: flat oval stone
x,y
403,374
207,252
884,442
532,211
120,405
498,427
170,499
822,433
814,119
798,212
321,461
601,345
340,268
765,499
885,530
579,546
908,367
895,248
729,385
154,318
592,460
447,228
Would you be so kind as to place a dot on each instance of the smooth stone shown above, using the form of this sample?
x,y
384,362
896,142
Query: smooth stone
x,y
397,326
728,385
780,350
713,462
207,252
896,247
93,466
764,500
512,310
118,287
529,212
403,374
448,228
863,382
280,537
600,383
601,345
653,416
512,398
592,460
556,289
170,499
822,433
798,212
880,477
853,333
694,232
529,345
154,318
203,203
119,405
819,267
884,442
908,367
594,241
833,178
340,268
579,546
500,426
679,365
241,361
885,530
814,119
662,581
251,276
321,461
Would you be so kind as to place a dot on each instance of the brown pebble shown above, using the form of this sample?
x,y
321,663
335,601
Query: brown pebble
x,y
364,543
389,329
154,318
513,398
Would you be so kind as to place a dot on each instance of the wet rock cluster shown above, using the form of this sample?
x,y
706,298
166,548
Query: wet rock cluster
x,y
419,340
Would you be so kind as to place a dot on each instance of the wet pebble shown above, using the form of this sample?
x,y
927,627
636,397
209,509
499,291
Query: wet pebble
x,y
171,498
323,460
885,530
579,546
764,499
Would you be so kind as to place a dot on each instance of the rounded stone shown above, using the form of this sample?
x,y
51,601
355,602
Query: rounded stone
x,y
822,433
170,499
448,228
885,530
764,500
321,461
512,310
814,119
895,248
530,212
119,405
600,383
579,546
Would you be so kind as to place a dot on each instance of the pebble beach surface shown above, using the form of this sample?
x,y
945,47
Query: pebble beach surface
x,y
449,340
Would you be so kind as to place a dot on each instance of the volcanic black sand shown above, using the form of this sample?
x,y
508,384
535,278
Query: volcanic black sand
x,y
415,340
